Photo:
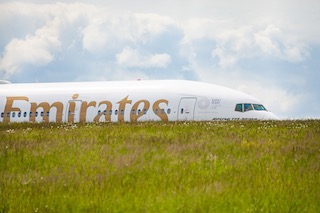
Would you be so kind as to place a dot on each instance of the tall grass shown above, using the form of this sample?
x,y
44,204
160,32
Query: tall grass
x,y
252,166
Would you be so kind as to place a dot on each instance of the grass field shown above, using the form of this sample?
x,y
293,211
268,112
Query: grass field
x,y
251,166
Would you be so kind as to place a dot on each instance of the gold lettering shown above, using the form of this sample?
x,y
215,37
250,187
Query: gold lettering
x,y
122,106
84,108
72,107
107,110
157,109
134,114
8,108
59,114
46,109
137,110
75,96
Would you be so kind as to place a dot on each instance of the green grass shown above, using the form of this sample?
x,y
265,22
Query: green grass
x,y
252,166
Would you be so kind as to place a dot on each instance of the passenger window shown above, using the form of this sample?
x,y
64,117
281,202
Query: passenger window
x,y
133,112
116,112
156,111
110,112
48,114
13,114
144,111
19,114
8,114
25,114
162,111
247,107
41,114
99,111
2,114
139,111
238,108
168,111
122,112
181,111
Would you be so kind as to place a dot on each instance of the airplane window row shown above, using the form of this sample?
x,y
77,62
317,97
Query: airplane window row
x,y
139,111
25,114
20,114
244,107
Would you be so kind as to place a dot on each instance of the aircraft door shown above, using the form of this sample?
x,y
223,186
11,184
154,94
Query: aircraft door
x,y
186,108
73,111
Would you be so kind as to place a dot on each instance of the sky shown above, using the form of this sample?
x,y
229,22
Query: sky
x,y
268,49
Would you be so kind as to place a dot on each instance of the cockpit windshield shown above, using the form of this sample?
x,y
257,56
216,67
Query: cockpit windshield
x,y
244,107
247,107
259,107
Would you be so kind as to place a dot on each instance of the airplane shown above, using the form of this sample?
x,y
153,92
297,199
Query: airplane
x,y
126,101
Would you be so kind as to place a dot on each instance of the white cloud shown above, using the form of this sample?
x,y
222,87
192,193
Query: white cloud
x,y
94,39
33,49
101,31
264,40
295,53
225,58
105,31
252,41
134,58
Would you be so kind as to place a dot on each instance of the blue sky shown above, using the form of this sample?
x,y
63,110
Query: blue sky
x,y
268,49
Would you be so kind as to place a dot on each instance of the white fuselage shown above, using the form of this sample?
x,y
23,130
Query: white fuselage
x,y
128,101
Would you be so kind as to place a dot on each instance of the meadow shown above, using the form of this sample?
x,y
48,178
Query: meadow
x,y
232,166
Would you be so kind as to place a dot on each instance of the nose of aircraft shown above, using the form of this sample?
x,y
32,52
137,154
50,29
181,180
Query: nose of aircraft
x,y
270,116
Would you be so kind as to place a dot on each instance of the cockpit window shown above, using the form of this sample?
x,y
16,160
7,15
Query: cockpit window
x,y
239,107
259,107
247,107
244,107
